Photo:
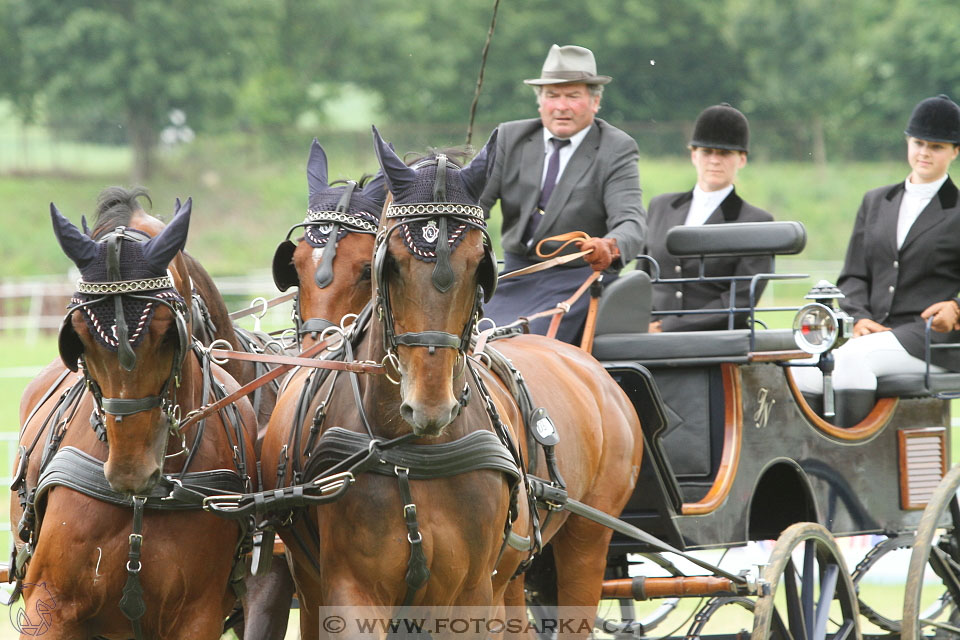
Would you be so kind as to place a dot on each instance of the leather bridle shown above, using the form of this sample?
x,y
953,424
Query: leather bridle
x,y
443,278
164,293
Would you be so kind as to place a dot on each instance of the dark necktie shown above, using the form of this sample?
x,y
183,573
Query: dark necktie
x,y
549,182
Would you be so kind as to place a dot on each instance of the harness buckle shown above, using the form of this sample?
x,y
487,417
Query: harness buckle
x,y
397,469
135,538
418,540
409,507
175,481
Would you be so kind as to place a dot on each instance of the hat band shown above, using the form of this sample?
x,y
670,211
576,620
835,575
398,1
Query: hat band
x,y
567,75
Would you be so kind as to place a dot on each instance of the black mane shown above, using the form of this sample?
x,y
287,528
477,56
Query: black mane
x,y
115,208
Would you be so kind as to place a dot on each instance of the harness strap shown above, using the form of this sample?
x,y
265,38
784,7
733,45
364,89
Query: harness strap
x,y
300,361
129,406
429,339
418,573
132,604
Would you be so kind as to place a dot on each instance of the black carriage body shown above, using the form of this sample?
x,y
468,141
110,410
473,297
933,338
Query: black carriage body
x,y
719,476
732,451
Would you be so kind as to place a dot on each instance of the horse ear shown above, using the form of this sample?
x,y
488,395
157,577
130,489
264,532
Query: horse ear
x,y
397,175
161,249
316,169
376,190
78,247
475,174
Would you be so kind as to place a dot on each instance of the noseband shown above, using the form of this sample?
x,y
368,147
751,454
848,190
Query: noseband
x,y
158,290
437,216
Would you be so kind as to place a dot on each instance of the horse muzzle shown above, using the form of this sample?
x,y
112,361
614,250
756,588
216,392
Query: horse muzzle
x,y
429,420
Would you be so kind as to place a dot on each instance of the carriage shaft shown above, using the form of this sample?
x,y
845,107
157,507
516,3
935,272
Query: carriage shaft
x,y
643,588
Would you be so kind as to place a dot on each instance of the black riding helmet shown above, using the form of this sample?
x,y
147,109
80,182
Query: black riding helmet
x,y
935,119
721,127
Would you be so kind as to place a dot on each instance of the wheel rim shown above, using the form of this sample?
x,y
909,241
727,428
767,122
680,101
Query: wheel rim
x,y
941,552
808,593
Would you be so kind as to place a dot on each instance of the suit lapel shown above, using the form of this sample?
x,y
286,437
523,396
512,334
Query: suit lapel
x,y
679,208
930,217
531,173
573,173
886,230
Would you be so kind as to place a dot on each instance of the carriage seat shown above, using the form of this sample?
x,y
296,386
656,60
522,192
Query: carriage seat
x,y
905,385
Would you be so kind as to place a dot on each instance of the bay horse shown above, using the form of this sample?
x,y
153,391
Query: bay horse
x,y
121,554
425,312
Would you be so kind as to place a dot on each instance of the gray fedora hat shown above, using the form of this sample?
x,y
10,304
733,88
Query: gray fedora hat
x,y
569,64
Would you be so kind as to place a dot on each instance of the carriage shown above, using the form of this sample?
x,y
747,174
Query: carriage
x,y
735,453
732,451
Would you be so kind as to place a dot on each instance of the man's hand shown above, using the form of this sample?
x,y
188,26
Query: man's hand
x,y
946,316
656,327
866,325
604,252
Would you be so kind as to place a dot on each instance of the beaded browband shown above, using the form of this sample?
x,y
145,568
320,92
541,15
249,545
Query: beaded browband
x,y
470,211
316,215
126,286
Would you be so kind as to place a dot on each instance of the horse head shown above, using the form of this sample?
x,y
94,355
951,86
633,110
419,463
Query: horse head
x,y
128,326
433,264
341,222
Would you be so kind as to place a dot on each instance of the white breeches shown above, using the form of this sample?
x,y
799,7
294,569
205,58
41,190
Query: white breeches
x,y
858,363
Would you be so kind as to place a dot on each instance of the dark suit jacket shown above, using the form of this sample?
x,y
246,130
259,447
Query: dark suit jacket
x,y
670,210
893,286
598,191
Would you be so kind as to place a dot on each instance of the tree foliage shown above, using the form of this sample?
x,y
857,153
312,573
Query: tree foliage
x,y
826,76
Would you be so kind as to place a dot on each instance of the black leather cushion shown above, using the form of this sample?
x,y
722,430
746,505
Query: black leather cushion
x,y
738,238
914,384
688,344
625,305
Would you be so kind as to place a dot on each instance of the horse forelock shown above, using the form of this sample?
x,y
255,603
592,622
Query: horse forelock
x,y
422,189
117,207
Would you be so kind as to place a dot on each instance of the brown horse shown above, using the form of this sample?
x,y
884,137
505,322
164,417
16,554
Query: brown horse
x,y
116,558
361,541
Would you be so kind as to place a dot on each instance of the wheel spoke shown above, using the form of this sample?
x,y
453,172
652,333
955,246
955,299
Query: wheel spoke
x,y
809,578
845,630
794,611
779,627
828,585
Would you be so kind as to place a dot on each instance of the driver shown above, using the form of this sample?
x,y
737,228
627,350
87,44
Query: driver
x,y
564,171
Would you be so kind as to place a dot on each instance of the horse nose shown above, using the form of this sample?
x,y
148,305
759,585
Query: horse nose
x,y
428,421
132,482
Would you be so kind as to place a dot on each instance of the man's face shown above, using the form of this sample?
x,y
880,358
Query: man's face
x,y
716,168
566,109
929,160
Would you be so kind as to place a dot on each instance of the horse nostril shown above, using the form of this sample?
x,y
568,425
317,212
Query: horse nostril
x,y
406,412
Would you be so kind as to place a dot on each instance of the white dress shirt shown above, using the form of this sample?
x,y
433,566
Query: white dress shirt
x,y
915,199
565,152
704,204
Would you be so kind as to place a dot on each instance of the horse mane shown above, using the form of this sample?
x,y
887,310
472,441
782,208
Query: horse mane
x,y
361,183
457,155
115,208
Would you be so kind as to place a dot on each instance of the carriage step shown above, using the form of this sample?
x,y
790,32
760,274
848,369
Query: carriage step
x,y
643,588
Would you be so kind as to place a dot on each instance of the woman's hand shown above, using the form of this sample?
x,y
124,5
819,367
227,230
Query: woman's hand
x,y
946,316
866,325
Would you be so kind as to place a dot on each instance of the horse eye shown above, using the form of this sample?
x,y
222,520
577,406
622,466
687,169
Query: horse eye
x,y
366,272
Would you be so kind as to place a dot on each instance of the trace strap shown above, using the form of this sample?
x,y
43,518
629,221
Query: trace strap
x,y
132,604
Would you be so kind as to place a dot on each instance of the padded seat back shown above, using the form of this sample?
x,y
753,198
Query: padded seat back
x,y
738,239
625,305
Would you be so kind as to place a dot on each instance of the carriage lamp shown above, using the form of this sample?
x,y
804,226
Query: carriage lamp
x,y
818,326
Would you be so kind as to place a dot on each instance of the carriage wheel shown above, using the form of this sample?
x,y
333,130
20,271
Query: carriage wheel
x,y
941,549
715,603
796,602
873,556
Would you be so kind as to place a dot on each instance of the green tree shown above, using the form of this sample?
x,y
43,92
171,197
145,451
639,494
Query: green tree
x,y
126,65
806,62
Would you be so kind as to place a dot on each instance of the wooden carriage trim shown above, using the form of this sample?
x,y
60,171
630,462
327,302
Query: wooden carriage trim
x,y
732,442
878,417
